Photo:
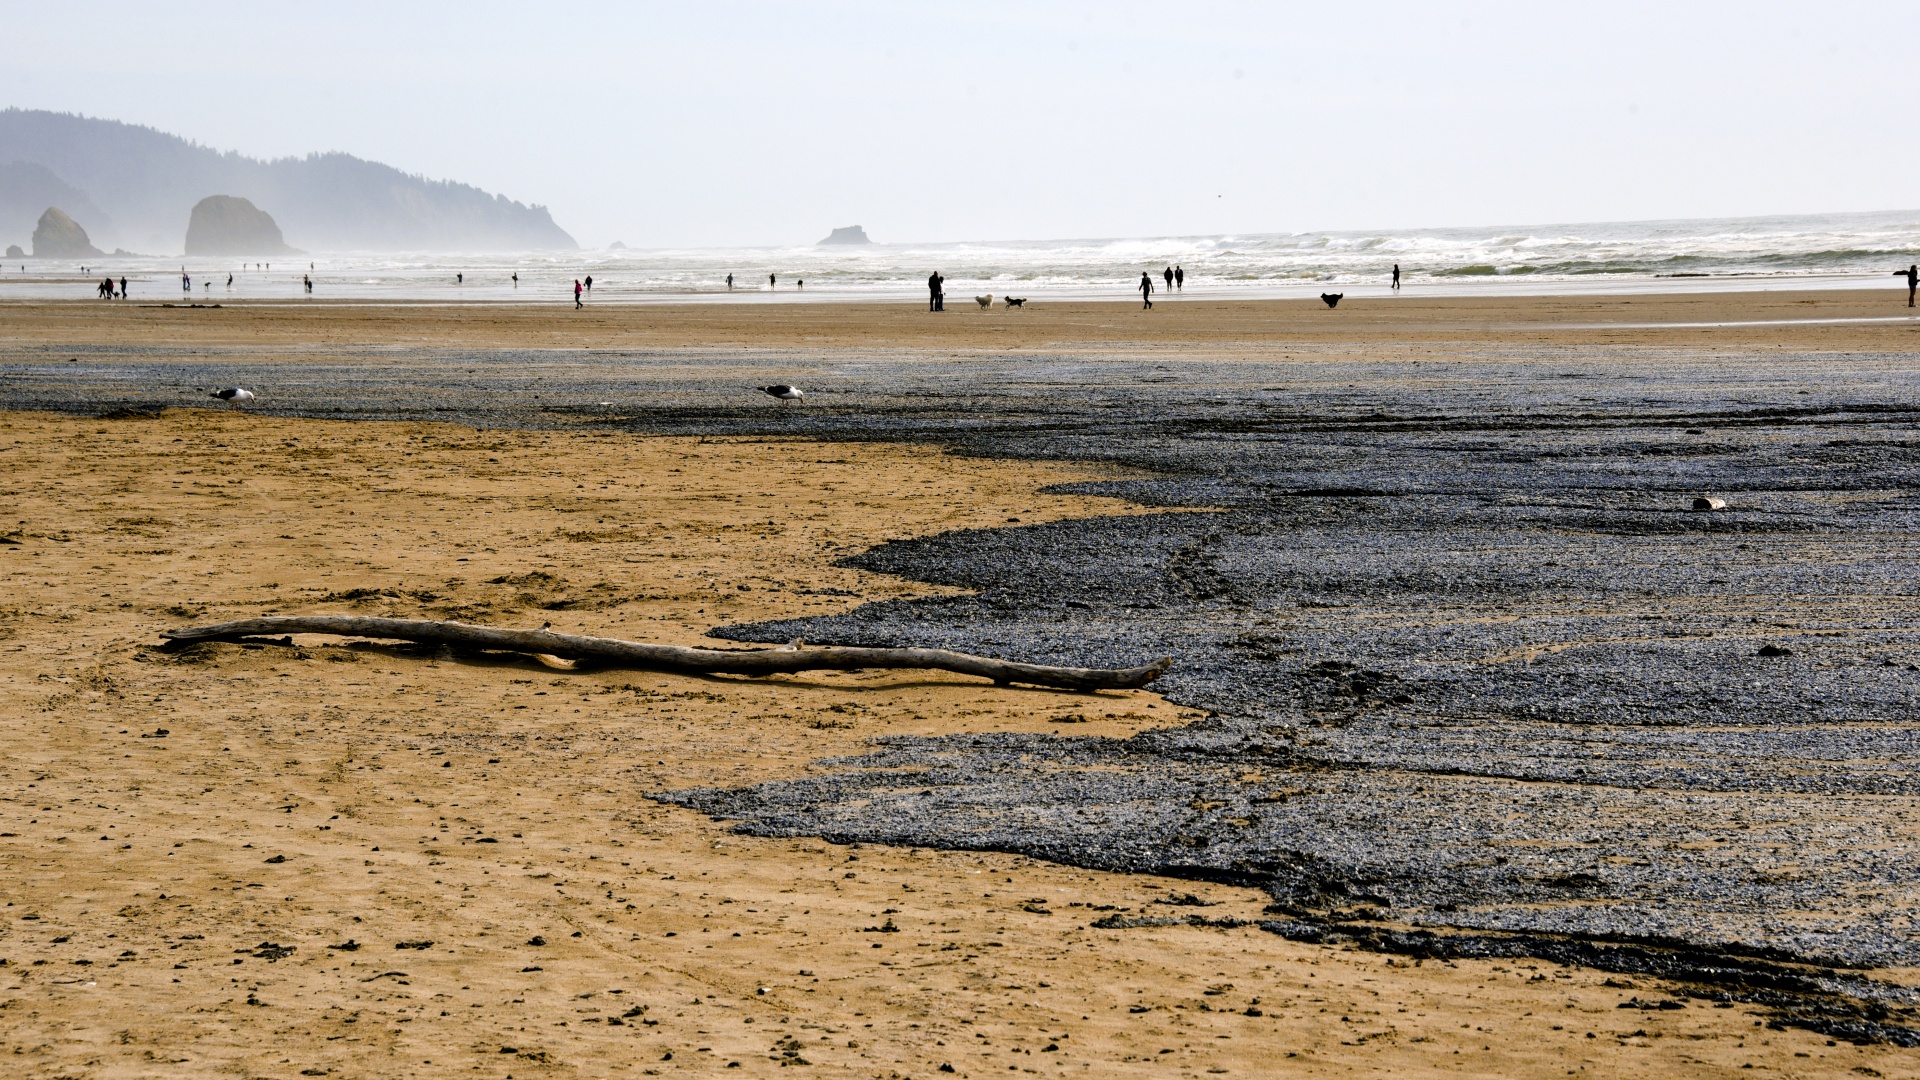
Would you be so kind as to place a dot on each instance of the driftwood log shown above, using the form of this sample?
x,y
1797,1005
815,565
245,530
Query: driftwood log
x,y
613,652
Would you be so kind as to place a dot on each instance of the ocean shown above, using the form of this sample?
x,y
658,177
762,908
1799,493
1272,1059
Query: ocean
x,y
1801,251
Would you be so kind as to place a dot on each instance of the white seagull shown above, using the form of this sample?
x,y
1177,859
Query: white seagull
x,y
782,391
234,395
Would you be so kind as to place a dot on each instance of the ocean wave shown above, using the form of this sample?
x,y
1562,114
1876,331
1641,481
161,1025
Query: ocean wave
x,y
1810,246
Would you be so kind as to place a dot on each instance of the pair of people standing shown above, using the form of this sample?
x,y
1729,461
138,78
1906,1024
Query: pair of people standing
x,y
936,292
1176,277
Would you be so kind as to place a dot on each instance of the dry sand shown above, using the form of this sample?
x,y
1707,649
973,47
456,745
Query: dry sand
x,y
337,859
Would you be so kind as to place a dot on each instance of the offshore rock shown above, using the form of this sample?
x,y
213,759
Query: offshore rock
x,y
852,234
60,237
14,252
27,188
230,225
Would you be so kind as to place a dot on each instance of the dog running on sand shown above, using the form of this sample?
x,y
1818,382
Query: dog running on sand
x,y
985,302
1332,298
1016,301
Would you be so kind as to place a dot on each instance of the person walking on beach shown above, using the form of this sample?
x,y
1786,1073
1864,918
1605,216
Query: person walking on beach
x,y
1912,274
1396,275
936,292
186,281
516,279
589,282
1146,291
123,288
1179,277
460,278
1169,277
577,305
729,282
770,281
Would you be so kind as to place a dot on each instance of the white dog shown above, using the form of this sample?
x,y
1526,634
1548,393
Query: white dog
x,y
985,302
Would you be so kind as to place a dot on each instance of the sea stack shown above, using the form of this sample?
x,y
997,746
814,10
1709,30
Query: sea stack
x,y
60,237
852,234
230,225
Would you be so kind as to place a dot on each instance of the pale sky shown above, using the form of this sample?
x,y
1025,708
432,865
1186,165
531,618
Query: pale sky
x,y
747,123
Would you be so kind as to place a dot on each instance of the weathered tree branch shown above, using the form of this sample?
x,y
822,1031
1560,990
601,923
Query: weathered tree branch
x,y
633,654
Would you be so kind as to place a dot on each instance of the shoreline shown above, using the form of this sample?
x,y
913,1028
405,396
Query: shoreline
x,y
21,288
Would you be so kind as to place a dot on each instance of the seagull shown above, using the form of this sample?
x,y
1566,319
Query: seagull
x,y
234,395
782,391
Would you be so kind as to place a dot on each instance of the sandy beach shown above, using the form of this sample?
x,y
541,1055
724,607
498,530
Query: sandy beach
x,y
1840,319
349,859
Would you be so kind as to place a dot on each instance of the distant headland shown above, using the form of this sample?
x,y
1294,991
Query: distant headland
x,y
135,186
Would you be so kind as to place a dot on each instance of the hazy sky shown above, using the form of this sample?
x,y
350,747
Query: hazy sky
x,y
769,123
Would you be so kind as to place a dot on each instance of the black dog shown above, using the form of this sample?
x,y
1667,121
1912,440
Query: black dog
x,y
1016,301
1332,298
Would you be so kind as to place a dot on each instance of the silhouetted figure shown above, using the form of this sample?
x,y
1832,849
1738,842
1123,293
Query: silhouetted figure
x,y
1332,298
936,292
1179,278
589,282
460,279
800,284
123,288
1169,276
186,282
1396,275
729,282
306,282
1912,274
577,305
229,281
770,281
1146,291
516,279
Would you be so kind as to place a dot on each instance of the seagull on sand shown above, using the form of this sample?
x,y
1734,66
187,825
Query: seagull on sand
x,y
782,391
234,395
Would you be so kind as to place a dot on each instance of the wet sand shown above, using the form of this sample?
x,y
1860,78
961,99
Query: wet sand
x,y
1823,319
